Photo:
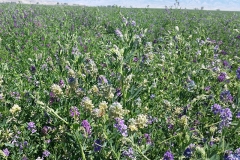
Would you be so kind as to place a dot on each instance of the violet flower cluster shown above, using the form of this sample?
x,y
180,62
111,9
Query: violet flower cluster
x,y
226,96
121,127
225,115
238,73
129,153
31,127
74,112
168,156
230,155
86,126
222,77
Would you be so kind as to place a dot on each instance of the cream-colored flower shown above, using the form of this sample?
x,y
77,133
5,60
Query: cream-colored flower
x,y
87,102
95,89
15,109
116,110
184,120
178,110
103,105
133,127
56,89
71,73
141,120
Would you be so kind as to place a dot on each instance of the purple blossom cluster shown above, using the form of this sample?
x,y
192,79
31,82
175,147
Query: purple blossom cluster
x,y
46,153
226,96
216,109
31,127
121,127
97,145
86,126
6,152
238,73
225,115
187,153
148,138
129,153
222,77
74,112
118,33
168,156
230,155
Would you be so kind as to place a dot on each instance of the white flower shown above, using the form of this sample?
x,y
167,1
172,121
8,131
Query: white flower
x,y
56,89
116,110
15,108
87,102
141,120
177,28
39,158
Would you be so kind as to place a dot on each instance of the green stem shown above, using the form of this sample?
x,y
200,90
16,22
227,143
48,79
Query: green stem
x,y
211,124
171,138
81,148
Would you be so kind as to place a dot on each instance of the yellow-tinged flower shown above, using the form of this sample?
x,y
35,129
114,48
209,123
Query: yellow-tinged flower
x,y
116,110
95,89
71,73
184,120
103,105
133,127
15,109
87,102
56,89
141,120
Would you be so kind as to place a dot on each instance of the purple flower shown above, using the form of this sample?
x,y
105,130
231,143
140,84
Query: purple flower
x,y
223,52
33,69
61,83
86,126
187,153
238,73
226,117
133,23
74,112
229,155
216,109
44,130
118,92
6,152
102,79
46,153
24,158
122,128
226,64
129,153
222,77
216,48
226,96
152,96
207,88
118,33
148,138
97,145
135,59
168,156
238,115
32,127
